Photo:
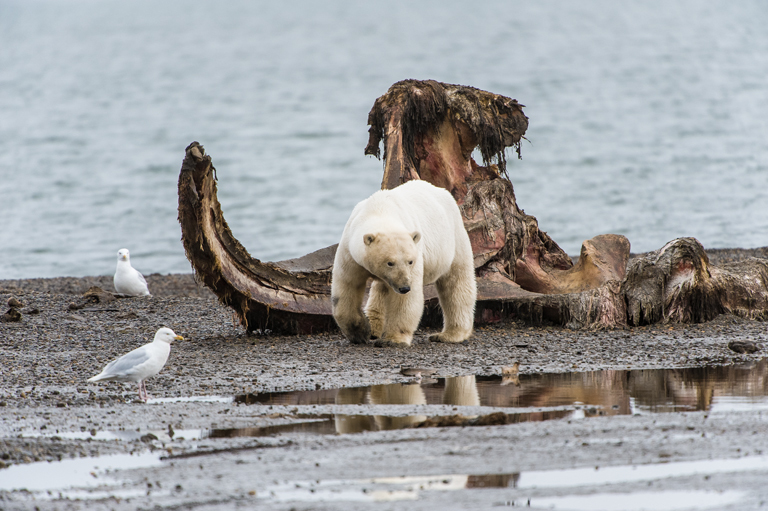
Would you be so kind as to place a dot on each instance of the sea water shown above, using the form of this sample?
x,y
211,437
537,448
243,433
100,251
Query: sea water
x,y
647,119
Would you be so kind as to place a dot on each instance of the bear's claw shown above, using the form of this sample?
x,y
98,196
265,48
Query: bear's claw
x,y
357,339
443,338
385,343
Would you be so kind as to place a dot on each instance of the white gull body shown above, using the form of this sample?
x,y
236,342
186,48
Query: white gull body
x,y
141,363
129,281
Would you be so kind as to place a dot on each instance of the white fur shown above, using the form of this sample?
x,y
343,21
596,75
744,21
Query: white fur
x,y
441,254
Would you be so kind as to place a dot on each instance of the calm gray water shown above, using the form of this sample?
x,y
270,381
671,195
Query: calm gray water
x,y
647,119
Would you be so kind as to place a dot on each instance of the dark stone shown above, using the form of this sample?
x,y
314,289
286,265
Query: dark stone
x,y
149,437
11,316
743,346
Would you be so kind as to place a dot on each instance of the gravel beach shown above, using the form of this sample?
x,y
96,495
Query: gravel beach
x,y
51,414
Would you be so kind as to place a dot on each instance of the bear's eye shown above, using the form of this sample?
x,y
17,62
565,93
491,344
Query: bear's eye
x,y
390,264
410,262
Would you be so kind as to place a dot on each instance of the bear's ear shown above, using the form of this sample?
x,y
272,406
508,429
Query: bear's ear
x,y
416,235
369,238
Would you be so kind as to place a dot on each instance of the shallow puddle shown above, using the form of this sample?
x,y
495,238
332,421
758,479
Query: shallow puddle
x,y
79,472
607,392
578,395
638,501
409,487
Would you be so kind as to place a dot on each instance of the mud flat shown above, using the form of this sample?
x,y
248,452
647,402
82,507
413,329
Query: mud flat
x,y
663,416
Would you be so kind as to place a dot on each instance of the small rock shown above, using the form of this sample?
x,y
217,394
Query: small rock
x,y
149,437
11,316
99,295
743,346
13,302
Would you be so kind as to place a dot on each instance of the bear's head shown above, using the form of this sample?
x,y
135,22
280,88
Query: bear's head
x,y
392,257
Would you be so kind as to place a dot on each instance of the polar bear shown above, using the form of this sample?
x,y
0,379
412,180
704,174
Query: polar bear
x,y
404,239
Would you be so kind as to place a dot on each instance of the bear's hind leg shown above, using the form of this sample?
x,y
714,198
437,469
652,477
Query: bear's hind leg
x,y
374,309
457,291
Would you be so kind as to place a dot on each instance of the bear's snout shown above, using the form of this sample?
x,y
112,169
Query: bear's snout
x,y
404,289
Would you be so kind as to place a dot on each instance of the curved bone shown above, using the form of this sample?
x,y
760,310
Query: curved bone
x,y
289,296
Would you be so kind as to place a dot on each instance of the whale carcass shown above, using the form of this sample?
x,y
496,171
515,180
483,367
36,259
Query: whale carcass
x,y
429,130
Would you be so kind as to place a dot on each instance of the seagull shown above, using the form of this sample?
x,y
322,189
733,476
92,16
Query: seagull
x,y
141,363
128,281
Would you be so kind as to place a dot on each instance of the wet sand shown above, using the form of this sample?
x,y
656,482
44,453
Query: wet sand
x,y
48,409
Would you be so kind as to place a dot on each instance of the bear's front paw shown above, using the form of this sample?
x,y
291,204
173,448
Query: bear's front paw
x,y
358,333
442,337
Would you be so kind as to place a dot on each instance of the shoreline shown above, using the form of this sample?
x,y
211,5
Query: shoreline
x,y
184,284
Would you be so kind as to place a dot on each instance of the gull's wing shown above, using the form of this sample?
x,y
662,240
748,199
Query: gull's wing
x,y
141,277
128,364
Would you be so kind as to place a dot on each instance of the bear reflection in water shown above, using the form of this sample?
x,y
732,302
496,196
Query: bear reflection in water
x,y
459,391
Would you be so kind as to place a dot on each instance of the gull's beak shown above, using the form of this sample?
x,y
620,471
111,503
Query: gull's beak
x,y
179,338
